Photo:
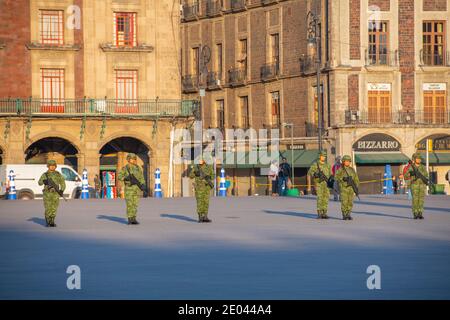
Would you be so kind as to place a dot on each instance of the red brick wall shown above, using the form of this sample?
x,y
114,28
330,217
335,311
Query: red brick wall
x,y
355,29
79,56
435,5
384,5
15,58
353,92
407,53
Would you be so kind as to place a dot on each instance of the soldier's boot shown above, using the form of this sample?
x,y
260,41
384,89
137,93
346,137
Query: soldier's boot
x,y
51,222
134,221
421,216
206,219
416,216
130,221
349,217
319,214
325,216
201,219
47,222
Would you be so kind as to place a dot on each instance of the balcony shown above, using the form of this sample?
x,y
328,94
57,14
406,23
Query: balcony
x,y
308,65
213,80
269,2
238,5
191,12
214,8
237,77
387,117
389,59
270,71
189,83
434,60
97,107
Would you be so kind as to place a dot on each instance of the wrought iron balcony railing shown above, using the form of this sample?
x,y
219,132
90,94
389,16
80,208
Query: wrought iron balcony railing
x,y
388,59
270,71
267,2
237,76
97,107
190,83
238,5
385,117
214,8
214,80
191,12
435,60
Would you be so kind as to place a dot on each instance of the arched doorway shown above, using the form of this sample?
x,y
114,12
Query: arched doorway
x,y
113,156
59,149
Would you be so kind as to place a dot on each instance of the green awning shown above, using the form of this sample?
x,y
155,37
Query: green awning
x,y
380,158
240,160
438,157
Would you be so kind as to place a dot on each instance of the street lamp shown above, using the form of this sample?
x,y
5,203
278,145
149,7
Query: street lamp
x,y
291,125
314,49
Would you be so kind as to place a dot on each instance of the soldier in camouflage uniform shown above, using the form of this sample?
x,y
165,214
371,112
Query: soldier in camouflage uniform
x,y
346,191
202,173
131,191
417,186
51,197
323,193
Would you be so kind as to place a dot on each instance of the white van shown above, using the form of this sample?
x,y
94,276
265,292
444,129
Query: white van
x,y
27,177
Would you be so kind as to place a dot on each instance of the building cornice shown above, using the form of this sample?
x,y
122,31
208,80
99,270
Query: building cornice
x,y
64,47
109,47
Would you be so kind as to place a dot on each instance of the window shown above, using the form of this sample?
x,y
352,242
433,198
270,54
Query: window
x,y
219,60
220,114
245,116
379,106
275,104
126,91
125,31
243,55
434,106
69,175
378,43
434,43
275,49
52,27
195,59
52,90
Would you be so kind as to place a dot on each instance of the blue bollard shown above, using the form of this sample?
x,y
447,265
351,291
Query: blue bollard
x,y
84,186
222,187
158,192
12,186
388,187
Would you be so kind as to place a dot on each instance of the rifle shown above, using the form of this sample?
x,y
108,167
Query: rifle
x,y
134,181
52,185
322,177
201,174
351,183
419,174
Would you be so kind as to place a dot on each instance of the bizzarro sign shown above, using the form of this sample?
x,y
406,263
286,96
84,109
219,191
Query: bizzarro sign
x,y
377,142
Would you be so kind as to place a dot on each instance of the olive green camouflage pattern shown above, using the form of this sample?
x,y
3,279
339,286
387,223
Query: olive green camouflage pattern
x,y
323,193
132,192
202,189
346,191
418,189
51,197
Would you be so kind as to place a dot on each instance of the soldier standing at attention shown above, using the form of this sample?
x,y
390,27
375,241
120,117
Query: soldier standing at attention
x,y
345,176
321,172
130,190
53,182
417,185
202,174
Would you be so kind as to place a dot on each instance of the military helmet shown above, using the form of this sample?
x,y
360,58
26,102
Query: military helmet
x,y
417,155
346,158
51,162
131,156
323,153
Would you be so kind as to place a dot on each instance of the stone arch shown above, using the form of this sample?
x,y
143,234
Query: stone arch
x,y
372,131
426,135
142,138
55,134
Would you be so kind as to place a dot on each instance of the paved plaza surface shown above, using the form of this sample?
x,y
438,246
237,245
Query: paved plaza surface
x,y
256,248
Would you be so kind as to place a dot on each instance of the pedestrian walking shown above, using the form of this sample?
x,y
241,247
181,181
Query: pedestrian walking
x,y
284,174
336,166
97,186
273,177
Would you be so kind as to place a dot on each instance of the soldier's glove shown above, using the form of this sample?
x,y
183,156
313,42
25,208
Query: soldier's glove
x,y
346,179
45,182
145,194
316,175
412,174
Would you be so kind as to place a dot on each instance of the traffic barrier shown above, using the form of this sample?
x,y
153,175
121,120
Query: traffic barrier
x,y
158,192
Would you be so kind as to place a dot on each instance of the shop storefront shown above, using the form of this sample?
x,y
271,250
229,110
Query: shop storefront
x,y
371,154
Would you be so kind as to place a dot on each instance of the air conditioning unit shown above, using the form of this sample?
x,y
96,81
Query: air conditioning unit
x,y
354,116
218,82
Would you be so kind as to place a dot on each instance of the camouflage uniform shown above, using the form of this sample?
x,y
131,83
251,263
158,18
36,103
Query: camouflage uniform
x,y
202,189
323,193
418,187
132,192
346,191
51,197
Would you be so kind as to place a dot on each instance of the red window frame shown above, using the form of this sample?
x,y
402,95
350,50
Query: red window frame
x,y
49,35
125,23
52,90
126,91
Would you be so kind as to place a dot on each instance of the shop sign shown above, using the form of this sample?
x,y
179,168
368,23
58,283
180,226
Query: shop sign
x,y
377,142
